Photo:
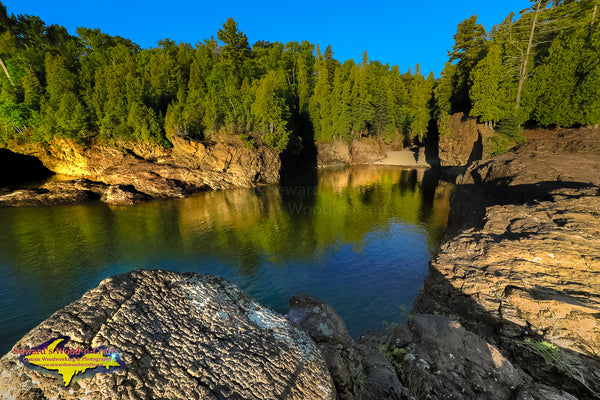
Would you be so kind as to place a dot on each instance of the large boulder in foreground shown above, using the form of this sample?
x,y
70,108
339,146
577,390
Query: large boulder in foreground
x,y
179,336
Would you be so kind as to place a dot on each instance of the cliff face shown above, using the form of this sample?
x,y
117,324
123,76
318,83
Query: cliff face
x,y
467,141
522,263
154,172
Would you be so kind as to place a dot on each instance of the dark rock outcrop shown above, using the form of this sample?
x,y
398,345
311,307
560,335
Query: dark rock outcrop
x,y
439,359
467,141
156,172
180,336
358,372
521,266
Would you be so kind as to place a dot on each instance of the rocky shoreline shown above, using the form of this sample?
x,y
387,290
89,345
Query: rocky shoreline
x,y
510,308
521,264
129,173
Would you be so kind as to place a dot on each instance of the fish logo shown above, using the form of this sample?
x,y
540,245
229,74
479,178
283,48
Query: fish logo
x,y
53,358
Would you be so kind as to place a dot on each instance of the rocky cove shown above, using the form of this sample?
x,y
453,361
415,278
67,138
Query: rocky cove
x,y
130,172
509,309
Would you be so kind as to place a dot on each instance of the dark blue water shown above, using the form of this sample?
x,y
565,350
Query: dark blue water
x,y
358,238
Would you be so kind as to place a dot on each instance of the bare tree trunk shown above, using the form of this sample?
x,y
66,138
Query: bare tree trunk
x,y
523,72
592,23
6,71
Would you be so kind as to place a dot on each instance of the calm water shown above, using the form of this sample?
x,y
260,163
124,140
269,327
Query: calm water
x,y
358,238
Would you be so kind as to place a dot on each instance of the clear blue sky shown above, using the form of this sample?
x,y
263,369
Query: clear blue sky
x,y
398,32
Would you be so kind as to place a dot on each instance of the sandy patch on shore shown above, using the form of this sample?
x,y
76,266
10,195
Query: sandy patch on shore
x,y
404,158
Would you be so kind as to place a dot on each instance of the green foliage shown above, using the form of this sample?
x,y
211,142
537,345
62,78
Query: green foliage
x,y
549,352
487,102
235,48
500,144
358,379
395,355
290,94
469,48
442,94
271,112
421,91
14,117
108,87
511,128
248,141
542,63
557,81
144,124
509,133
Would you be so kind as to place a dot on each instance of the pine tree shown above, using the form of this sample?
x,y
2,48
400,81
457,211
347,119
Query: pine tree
x,y
442,93
320,103
271,111
488,104
421,92
32,90
342,102
587,94
235,49
144,123
363,111
71,117
556,82
469,48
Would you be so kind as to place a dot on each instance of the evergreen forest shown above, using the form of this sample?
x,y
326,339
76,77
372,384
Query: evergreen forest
x,y
540,67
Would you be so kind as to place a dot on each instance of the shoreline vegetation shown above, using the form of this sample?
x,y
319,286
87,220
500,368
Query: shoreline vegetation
x,y
509,308
538,67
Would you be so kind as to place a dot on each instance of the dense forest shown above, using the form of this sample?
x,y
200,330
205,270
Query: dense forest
x,y
542,67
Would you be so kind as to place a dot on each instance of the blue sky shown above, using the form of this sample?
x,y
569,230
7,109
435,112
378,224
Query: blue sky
x,y
398,32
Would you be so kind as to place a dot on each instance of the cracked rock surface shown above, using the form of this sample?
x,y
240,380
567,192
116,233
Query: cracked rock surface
x,y
523,263
180,336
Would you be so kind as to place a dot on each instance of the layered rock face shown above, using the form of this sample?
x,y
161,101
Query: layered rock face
x,y
342,154
179,336
155,172
466,142
522,263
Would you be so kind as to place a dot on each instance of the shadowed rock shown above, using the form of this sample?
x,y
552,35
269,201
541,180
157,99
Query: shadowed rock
x,y
358,372
180,336
440,359
467,141
72,192
524,258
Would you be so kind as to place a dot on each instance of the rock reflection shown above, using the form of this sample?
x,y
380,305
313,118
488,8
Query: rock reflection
x,y
51,256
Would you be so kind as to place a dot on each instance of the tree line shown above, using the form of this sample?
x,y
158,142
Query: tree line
x,y
542,66
102,87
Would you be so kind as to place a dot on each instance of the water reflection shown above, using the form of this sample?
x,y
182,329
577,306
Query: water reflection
x,y
360,238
